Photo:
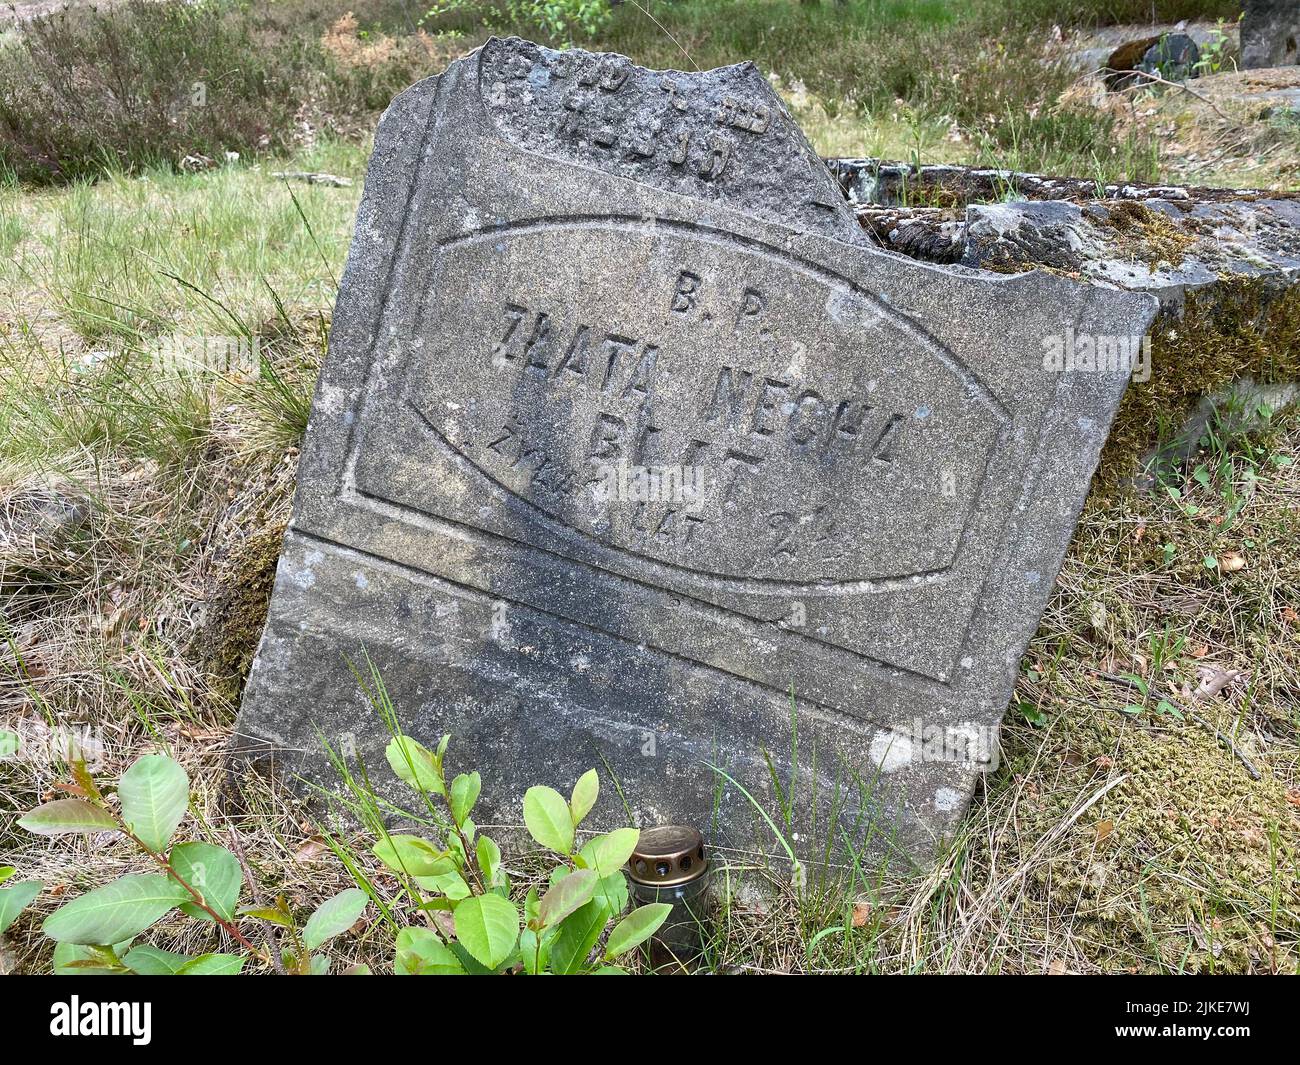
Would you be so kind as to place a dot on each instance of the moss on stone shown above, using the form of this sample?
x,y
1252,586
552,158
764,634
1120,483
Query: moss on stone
x,y
237,609
1244,327
1145,235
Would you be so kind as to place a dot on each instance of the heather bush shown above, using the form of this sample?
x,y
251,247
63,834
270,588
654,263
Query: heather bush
x,y
144,83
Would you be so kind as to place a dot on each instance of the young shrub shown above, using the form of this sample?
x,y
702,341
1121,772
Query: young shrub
x,y
96,931
555,932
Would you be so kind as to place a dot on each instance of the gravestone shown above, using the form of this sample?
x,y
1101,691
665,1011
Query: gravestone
x,y
630,452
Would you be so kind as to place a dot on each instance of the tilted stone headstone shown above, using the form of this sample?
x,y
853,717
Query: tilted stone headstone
x,y
629,452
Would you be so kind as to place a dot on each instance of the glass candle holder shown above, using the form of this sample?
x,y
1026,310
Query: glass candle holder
x,y
669,865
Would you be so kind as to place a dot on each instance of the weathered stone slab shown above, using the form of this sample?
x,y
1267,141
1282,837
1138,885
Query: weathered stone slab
x,y
1269,32
569,272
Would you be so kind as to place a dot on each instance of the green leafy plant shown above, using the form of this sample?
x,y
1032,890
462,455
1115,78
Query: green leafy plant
x,y
96,932
1214,52
561,20
16,897
1031,713
1150,701
462,876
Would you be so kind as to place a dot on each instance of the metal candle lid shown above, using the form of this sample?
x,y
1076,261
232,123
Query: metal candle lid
x,y
667,855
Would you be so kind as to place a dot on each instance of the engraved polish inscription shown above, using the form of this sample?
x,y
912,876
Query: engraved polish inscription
x,y
694,355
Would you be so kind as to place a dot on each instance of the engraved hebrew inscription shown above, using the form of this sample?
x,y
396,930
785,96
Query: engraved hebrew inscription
x,y
705,137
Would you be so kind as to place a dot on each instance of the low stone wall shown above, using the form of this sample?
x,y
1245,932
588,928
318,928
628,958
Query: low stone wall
x,y
1224,263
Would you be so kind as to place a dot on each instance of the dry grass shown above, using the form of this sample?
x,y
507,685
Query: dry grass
x,y
1232,129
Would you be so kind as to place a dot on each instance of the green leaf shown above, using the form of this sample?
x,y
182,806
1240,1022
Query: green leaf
x,y
1137,682
334,917
610,970
421,953
146,960
213,965
636,928
489,862
214,873
584,797
573,891
116,911
6,871
488,926
413,856
576,936
464,794
68,815
10,742
612,891
73,959
319,965
414,764
16,898
450,884
155,793
608,854
473,967
547,816
534,953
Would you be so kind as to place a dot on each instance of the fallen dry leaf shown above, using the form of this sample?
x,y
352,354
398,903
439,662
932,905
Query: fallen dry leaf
x,y
1214,680
1232,561
310,850
1056,967
861,914
1104,829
